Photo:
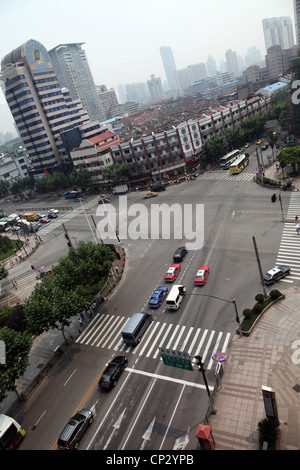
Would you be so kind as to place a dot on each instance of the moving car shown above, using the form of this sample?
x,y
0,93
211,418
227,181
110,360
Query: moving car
x,y
159,187
103,200
172,272
75,428
276,273
112,372
158,296
201,275
45,220
150,194
53,211
81,198
179,254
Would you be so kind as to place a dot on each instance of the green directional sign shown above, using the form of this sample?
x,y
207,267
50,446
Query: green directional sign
x,y
175,358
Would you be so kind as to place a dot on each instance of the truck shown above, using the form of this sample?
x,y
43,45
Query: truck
x,y
72,194
120,188
30,216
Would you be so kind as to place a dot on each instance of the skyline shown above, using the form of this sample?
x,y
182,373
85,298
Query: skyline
x,y
122,44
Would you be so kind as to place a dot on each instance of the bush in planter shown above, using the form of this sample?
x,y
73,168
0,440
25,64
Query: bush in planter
x,y
259,298
247,312
275,294
268,432
258,308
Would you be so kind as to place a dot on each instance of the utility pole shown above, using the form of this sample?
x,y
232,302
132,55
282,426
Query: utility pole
x,y
259,268
201,369
70,245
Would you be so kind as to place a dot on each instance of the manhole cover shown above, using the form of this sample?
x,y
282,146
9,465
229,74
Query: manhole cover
x,y
296,388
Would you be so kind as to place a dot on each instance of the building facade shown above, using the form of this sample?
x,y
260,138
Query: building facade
x,y
170,153
47,118
108,99
155,88
73,72
278,32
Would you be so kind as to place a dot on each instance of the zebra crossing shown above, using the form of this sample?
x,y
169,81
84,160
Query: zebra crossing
x,y
289,249
226,176
105,332
55,223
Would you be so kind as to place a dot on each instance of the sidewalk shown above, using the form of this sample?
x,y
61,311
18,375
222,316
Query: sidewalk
x,y
262,359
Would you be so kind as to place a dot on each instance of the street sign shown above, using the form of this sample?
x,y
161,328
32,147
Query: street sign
x,y
175,358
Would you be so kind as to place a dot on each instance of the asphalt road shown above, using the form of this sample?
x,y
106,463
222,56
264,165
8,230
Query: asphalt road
x,y
155,406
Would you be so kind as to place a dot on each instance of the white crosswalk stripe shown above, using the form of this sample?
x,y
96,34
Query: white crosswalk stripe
x,y
289,250
225,175
105,332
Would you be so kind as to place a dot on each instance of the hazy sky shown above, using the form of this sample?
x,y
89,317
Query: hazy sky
x,y
122,37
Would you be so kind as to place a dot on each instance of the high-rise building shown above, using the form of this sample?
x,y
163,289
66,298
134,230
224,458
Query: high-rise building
x,y
297,20
73,72
47,118
232,65
155,88
169,66
108,99
278,32
211,66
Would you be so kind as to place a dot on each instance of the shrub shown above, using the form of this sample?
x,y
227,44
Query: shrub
x,y
259,298
275,294
258,308
247,312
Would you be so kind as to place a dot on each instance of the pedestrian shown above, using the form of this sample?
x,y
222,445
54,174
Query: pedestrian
x,y
15,282
296,219
82,316
80,321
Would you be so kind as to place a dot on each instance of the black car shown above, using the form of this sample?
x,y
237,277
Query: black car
x,y
112,372
103,200
276,273
158,188
73,431
52,215
179,254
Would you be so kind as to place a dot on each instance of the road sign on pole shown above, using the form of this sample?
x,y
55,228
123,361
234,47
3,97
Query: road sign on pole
x,y
175,358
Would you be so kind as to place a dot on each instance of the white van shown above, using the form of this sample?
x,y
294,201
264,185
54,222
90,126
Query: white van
x,y
175,297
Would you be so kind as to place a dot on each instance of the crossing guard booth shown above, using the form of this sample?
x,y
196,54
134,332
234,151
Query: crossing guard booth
x,y
205,437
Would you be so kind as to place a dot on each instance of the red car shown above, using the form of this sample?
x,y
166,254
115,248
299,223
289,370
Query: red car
x,y
172,272
201,275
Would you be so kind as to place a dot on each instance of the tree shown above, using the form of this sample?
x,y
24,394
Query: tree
x,y
52,306
116,173
272,138
289,156
80,178
17,349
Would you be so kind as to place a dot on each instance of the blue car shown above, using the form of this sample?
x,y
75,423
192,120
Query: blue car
x,y
158,296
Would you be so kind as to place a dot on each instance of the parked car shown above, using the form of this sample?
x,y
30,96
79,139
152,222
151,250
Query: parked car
x,y
150,194
112,372
172,272
159,187
73,431
179,254
158,296
104,200
275,274
201,275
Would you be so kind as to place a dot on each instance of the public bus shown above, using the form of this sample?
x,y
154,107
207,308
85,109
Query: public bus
x,y
11,433
229,158
239,164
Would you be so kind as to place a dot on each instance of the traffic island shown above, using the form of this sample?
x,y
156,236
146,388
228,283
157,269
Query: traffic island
x,y
252,315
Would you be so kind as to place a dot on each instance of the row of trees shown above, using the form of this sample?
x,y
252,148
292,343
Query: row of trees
x,y
75,281
56,181
250,129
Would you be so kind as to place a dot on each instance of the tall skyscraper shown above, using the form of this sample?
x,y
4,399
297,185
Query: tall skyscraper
x,y
211,66
278,32
232,63
297,20
44,113
73,72
155,88
169,66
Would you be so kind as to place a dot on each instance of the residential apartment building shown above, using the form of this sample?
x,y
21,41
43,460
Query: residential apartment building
x,y
47,118
94,155
232,65
170,153
155,88
108,99
14,165
297,20
73,72
278,32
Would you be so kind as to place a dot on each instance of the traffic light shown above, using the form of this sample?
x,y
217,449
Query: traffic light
x,y
273,198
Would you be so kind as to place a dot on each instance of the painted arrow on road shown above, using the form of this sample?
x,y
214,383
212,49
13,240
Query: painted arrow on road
x,y
115,426
147,434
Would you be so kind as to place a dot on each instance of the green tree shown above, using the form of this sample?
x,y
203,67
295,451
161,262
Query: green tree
x,y
116,173
52,306
17,348
80,178
289,156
